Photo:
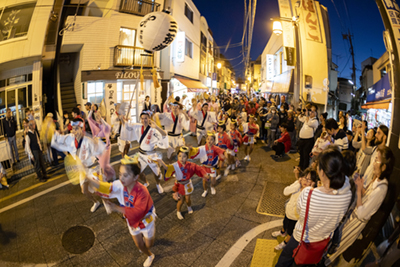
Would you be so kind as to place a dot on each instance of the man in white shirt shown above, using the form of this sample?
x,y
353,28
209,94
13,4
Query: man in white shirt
x,y
306,135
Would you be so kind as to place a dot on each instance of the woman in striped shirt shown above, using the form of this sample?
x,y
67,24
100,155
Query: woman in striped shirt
x,y
329,203
368,200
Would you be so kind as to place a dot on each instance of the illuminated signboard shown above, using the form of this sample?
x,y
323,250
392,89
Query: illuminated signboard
x,y
180,47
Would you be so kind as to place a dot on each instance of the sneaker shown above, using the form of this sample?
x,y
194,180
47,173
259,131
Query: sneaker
x,y
280,246
95,207
204,193
159,188
149,261
213,192
246,158
233,167
226,172
179,215
190,211
278,233
218,177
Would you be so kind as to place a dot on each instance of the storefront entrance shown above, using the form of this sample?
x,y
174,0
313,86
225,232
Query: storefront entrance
x,y
17,99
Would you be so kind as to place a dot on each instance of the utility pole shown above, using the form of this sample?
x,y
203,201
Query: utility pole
x,y
349,37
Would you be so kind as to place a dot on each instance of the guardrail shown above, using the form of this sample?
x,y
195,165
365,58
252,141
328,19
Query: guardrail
x,y
138,7
127,56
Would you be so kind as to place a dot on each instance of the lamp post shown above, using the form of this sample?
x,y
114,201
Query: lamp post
x,y
278,30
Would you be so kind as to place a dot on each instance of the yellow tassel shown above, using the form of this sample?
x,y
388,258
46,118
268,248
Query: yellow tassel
x,y
154,72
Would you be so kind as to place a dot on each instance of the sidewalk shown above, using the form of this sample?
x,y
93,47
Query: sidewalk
x,y
32,232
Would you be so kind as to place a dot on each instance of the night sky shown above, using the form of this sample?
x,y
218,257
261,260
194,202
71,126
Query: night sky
x,y
361,17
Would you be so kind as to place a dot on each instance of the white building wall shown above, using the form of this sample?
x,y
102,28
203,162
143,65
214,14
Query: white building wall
x,y
30,45
191,66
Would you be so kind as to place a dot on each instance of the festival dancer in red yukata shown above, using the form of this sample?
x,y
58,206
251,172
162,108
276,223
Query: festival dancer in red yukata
x,y
135,203
209,155
183,171
249,137
224,141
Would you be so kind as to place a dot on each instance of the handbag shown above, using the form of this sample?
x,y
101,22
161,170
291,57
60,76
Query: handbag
x,y
309,253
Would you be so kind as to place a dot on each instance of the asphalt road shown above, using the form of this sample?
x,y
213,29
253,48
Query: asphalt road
x,y
35,216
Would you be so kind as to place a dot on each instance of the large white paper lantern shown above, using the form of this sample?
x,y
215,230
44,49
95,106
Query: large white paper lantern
x,y
157,30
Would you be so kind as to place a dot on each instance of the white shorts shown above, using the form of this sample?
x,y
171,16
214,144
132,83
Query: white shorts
x,y
176,141
248,140
148,232
231,152
146,161
121,144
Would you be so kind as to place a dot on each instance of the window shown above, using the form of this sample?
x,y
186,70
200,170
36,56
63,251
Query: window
x,y
188,13
127,36
189,48
203,40
15,21
95,92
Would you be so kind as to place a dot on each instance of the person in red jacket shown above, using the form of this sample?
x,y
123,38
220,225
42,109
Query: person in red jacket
x,y
283,144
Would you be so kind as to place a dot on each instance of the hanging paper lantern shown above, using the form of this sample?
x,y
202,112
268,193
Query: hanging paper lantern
x,y
157,30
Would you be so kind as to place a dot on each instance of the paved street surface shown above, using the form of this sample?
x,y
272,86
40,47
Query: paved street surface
x,y
31,233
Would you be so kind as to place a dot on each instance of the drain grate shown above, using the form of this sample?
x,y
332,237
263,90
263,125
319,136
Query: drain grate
x,y
78,239
272,200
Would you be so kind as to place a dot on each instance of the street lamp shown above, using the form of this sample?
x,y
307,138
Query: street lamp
x,y
277,27
219,65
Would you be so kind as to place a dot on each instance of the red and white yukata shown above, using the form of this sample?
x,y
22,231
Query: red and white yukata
x,y
139,212
209,157
183,184
250,134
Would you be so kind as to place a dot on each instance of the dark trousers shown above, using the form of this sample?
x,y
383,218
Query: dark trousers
x,y
40,167
305,147
279,149
55,154
263,131
286,257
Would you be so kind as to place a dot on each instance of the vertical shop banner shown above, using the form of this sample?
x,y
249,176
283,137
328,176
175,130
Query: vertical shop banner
x,y
180,47
270,67
310,21
110,99
285,8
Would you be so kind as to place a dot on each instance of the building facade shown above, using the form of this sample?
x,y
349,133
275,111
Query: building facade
x,y
23,30
101,56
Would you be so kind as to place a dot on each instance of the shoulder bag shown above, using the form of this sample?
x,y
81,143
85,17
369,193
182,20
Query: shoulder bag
x,y
309,253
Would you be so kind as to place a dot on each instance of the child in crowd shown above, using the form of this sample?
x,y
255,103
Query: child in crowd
x,y
183,171
321,144
225,142
307,178
283,144
209,155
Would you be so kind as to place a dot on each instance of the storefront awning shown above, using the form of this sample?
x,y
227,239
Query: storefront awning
x,y
283,83
383,104
193,86
266,86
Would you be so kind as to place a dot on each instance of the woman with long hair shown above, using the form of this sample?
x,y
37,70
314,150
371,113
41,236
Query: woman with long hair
x,y
368,200
328,204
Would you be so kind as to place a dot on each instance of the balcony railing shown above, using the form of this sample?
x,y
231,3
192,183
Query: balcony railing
x,y
127,56
138,7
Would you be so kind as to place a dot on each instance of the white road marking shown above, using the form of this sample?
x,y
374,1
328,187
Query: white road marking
x,y
23,201
238,247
